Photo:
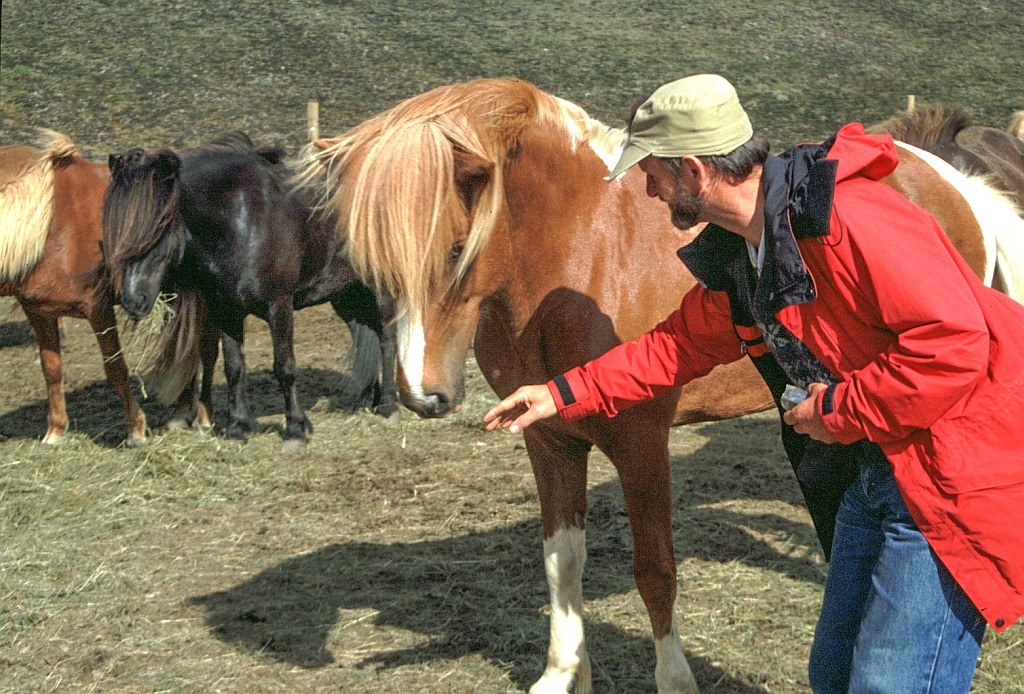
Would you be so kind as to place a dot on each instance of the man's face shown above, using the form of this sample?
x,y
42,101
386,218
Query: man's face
x,y
664,183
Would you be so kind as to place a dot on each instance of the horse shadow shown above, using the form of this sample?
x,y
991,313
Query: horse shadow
x,y
95,411
16,333
482,593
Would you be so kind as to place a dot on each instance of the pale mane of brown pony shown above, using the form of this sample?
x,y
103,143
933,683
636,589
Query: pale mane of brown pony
x,y
1016,126
26,205
391,180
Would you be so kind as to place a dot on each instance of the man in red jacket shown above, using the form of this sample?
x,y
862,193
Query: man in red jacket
x,y
909,445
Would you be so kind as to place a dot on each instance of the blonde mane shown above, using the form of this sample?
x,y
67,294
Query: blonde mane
x,y
391,179
26,203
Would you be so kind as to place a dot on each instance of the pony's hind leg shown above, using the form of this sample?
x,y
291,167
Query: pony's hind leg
x,y
281,319
241,420
560,469
209,345
105,327
47,332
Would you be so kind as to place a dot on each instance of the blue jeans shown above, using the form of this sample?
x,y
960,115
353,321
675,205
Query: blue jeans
x,y
893,620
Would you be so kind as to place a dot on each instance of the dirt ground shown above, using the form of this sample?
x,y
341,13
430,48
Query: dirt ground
x,y
382,558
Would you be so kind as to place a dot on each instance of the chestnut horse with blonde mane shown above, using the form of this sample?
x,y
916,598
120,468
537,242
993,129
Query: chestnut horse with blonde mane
x,y
482,206
50,205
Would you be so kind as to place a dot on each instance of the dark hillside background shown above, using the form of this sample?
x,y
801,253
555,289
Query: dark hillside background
x,y
117,73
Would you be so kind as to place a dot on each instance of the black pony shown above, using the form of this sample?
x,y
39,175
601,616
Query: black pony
x,y
219,227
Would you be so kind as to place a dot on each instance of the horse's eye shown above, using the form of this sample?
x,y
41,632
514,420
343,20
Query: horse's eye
x,y
456,253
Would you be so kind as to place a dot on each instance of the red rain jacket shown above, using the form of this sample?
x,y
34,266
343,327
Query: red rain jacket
x,y
931,367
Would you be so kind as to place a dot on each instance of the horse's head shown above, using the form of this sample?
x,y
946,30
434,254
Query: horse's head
x,y
143,236
419,193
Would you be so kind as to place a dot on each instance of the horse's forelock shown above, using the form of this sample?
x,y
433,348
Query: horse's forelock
x,y
391,179
140,208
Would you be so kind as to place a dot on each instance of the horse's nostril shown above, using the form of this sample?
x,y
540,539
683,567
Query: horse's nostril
x,y
440,403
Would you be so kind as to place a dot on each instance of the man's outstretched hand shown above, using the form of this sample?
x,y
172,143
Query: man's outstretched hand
x,y
521,409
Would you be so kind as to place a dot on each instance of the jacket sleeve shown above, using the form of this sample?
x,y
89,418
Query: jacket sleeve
x,y
911,282
689,343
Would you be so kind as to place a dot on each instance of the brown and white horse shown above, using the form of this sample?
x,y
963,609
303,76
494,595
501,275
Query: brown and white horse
x,y
50,205
996,156
483,207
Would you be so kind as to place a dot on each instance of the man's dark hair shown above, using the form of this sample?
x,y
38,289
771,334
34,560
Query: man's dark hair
x,y
734,166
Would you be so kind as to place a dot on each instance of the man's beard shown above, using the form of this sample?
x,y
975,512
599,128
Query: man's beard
x,y
687,210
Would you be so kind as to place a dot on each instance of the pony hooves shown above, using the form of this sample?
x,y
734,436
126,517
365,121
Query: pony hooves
x,y
134,441
293,445
176,424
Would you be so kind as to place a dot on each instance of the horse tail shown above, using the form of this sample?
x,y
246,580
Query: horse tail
x,y
357,305
362,363
140,207
26,204
176,354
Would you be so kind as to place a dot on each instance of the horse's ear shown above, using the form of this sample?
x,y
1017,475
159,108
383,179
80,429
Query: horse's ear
x,y
272,155
115,162
167,164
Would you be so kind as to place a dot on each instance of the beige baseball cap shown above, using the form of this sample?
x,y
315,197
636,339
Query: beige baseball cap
x,y
698,115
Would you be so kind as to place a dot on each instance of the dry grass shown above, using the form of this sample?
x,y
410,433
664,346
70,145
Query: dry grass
x,y
382,558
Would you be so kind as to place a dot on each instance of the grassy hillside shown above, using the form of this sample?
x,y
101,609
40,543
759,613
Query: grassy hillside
x,y
115,74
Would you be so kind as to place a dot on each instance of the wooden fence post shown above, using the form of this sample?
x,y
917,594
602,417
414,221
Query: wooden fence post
x,y
313,120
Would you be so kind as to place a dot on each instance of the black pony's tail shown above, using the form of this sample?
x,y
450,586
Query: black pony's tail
x,y
362,363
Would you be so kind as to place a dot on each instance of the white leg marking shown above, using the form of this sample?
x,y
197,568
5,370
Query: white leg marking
x,y
565,553
672,673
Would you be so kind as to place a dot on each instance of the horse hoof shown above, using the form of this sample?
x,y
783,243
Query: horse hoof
x,y
134,441
236,433
176,424
293,445
53,439
394,418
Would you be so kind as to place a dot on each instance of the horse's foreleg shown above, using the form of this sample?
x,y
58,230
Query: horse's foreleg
x,y
241,420
281,319
104,326
560,469
209,344
641,458
47,332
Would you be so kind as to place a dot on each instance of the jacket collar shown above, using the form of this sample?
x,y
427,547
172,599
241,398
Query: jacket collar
x,y
798,189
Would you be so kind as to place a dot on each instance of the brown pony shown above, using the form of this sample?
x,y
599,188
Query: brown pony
x,y
996,155
50,205
483,207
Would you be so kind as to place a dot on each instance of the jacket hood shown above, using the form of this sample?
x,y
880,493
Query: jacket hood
x,y
860,154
